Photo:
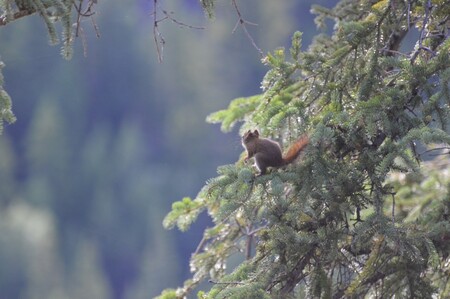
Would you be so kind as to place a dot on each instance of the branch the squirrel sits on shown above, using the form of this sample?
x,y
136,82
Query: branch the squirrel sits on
x,y
267,152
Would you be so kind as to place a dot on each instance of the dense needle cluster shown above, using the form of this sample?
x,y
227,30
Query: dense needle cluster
x,y
372,96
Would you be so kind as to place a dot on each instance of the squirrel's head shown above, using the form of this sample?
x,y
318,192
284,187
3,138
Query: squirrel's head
x,y
249,136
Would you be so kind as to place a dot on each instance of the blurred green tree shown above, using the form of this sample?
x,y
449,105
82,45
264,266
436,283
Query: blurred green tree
x,y
330,226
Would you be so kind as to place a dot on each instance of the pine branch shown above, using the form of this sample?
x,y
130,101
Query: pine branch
x,y
365,105
17,15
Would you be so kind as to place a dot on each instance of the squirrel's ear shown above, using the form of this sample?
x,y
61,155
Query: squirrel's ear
x,y
256,132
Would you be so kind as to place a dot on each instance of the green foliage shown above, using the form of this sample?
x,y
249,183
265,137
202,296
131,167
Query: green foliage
x,y
237,111
279,90
5,103
168,294
208,6
101,156
329,226
51,12
183,213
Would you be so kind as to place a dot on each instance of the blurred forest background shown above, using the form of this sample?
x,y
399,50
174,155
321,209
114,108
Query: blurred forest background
x,y
104,144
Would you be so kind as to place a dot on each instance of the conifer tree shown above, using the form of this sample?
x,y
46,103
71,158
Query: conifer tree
x,y
370,96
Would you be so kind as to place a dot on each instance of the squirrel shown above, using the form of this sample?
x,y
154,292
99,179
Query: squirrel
x,y
267,152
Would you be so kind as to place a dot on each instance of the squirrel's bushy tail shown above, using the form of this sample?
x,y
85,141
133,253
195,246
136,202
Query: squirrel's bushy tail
x,y
295,149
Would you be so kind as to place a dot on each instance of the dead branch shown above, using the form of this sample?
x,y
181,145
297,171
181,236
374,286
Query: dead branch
x,y
242,22
86,12
157,35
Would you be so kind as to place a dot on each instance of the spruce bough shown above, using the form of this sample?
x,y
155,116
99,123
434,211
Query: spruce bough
x,y
339,222
69,13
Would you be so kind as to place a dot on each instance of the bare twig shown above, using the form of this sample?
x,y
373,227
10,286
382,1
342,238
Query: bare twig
x,y
78,8
252,232
425,22
408,13
83,41
181,24
225,283
440,153
157,35
393,208
94,24
85,12
242,22
201,244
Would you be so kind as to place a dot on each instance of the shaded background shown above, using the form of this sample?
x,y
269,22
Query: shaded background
x,y
104,144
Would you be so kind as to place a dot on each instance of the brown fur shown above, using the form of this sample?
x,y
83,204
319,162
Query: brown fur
x,y
267,152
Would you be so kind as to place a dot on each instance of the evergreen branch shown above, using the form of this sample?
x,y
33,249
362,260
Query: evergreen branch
x,y
54,10
319,249
17,15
